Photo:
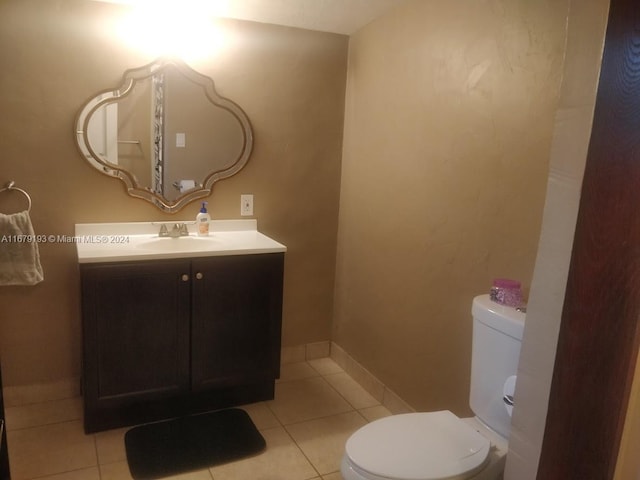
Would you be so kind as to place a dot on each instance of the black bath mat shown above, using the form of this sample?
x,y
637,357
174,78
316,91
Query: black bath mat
x,y
191,443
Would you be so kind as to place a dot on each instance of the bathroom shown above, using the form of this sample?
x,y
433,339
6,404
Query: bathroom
x,y
404,166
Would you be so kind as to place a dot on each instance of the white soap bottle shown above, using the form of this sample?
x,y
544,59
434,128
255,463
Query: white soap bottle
x,y
202,221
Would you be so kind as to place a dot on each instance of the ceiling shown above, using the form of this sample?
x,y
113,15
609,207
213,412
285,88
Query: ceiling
x,y
337,16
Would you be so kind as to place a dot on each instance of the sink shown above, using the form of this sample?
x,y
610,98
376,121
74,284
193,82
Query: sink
x,y
178,243
118,242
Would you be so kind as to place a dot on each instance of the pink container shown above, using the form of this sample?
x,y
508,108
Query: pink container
x,y
506,292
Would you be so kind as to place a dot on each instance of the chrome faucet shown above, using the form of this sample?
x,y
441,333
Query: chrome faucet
x,y
177,230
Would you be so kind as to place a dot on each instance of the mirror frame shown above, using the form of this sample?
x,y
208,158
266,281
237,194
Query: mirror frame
x,y
134,189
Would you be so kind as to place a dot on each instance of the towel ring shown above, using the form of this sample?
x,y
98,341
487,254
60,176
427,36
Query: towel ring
x,y
11,186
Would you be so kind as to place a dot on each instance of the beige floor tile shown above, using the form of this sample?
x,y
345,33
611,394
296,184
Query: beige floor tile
x,y
333,476
323,440
120,471
316,400
46,413
85,474
261,416
115,471
301,400
374,413
110,446
47,450
325,366
296,371
199,475
346,386
282,460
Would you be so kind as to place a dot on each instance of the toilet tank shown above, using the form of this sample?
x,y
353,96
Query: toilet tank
x,y
497,336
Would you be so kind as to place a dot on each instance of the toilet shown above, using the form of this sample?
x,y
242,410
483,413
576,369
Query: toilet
x,y
439,445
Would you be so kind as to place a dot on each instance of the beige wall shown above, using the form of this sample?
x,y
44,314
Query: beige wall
x,y
291,84
448,126
572,131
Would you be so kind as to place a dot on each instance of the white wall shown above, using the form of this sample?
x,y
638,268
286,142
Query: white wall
x,y
585,41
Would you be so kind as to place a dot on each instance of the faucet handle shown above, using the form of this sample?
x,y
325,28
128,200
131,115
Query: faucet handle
x,y
163,231
183,230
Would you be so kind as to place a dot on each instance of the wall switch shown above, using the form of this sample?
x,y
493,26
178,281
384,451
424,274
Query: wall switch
x,y
246,205
181,140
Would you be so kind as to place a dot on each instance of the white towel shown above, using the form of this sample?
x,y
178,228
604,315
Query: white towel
x,y
19,254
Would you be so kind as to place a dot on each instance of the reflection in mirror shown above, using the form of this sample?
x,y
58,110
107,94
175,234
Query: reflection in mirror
x,y
166,133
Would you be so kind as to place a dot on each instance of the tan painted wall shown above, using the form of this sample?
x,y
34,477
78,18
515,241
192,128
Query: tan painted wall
x,y
448,127
291,84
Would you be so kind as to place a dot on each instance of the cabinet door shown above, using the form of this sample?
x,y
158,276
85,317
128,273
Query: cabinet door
x,y
136,330
236,319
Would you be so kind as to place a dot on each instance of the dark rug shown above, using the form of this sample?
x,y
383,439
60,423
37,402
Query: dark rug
x,y
191,443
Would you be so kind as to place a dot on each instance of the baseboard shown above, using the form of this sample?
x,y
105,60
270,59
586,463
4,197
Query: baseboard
x,y
387,397
42,392
68,388
307,351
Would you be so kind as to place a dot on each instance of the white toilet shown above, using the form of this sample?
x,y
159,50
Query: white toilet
x,y
440,445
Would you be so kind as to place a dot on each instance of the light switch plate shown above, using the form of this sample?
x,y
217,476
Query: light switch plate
x,y
246,205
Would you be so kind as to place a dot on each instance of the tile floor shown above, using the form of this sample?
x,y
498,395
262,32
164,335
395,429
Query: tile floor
x,y
316,407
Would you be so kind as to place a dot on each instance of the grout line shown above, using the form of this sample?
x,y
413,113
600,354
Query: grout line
x,y
41,402
352,408
95,449
48,424
49,475
342,354
279,423
274,414
303,454
339,393
324,377
293,440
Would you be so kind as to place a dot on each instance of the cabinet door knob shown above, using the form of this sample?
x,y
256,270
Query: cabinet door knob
x,y
185,277
199,276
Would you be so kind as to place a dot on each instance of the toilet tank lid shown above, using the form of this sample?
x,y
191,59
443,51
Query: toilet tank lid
x,y
418,446
505,319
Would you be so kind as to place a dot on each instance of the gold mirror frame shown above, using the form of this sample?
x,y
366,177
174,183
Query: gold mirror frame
x,y
134,189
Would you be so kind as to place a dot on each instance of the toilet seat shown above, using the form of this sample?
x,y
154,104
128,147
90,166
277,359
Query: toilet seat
x,y
418,446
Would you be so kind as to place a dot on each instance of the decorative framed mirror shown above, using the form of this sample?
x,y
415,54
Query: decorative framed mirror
x,y
166,133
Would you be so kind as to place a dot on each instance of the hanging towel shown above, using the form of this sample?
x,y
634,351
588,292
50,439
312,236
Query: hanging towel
x,y
19,255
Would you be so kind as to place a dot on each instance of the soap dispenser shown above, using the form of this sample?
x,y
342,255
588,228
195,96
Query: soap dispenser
x,y
202,221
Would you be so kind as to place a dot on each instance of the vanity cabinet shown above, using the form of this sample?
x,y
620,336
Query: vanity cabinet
x,y
163,338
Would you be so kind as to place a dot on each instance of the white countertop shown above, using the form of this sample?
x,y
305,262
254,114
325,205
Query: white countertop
x,y
119,242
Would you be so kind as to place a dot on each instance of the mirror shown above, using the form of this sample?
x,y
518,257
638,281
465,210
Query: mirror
x,y
166,133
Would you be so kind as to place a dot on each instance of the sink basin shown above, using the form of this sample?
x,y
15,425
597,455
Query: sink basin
x,y
178,243
119,242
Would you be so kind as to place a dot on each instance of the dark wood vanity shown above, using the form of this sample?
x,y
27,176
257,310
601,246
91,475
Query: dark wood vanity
x,y
179,325
165,338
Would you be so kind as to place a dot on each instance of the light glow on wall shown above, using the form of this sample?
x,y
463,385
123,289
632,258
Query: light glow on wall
x,y
184,29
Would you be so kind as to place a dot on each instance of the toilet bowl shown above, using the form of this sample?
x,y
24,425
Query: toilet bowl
x,y
424,446
439,445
